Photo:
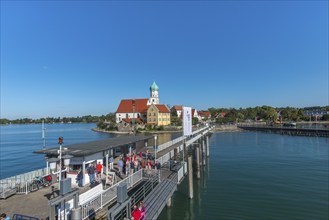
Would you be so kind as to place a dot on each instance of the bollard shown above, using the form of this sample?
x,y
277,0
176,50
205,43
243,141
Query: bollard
x,y
76,214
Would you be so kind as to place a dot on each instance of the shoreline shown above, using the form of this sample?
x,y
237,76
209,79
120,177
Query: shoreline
x,y
221,128
123,132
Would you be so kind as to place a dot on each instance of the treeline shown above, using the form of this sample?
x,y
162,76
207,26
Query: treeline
x,y
219,115
265,113
51,120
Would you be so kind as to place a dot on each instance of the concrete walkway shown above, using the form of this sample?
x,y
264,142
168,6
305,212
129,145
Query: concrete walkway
x,y
34,204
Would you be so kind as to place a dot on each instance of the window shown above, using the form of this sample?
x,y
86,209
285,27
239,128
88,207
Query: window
x,y
150,114
154,114
126,115
154,119
160,119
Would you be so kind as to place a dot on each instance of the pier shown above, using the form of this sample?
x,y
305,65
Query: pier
x,y
288,130
155,187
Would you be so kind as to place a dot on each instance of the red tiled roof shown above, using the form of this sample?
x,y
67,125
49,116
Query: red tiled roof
x,y
128,120
178,107
162,108
126,105
204,113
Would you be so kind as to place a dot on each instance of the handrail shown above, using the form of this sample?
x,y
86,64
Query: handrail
x,y
96,202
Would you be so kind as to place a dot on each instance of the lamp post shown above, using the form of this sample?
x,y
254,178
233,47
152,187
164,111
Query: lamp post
x,y
133,121
155,149
52,161
130,156
60,142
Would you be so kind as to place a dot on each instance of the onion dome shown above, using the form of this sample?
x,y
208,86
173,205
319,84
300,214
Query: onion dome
x,y
154,87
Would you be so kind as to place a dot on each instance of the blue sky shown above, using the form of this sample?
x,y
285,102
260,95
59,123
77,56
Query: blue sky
x,y
75,58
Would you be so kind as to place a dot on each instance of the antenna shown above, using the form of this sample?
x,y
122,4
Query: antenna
x,y
43,134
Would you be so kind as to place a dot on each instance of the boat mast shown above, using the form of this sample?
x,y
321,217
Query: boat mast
x,y
43,134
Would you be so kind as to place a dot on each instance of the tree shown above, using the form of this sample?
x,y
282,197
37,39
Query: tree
x,y
195,121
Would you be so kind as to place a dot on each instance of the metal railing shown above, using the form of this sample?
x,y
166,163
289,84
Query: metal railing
x,y
98,201
121,212
179,139
21,183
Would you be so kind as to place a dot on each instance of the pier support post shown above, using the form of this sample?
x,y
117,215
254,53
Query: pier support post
x,y
190,176
207,145
203,151
197,151
169,202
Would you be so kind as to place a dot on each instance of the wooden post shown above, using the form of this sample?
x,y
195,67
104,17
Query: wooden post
x,y
190,176
169,202
207,145
203,151
197,151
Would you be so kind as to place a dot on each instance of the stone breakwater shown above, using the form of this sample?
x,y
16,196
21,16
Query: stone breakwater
x,y
226,128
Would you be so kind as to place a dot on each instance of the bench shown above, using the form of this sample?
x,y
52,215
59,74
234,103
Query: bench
x,y
6,192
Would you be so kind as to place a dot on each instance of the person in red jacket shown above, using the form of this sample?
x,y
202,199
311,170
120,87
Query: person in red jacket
x,y
136,213
99,167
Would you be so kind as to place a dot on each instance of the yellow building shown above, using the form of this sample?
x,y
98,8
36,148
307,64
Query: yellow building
x,y
158,115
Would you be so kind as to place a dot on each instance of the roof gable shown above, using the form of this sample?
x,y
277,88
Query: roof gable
x,y
178,107
162,108
126,105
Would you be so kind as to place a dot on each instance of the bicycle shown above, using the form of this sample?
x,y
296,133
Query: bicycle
x,y
40,181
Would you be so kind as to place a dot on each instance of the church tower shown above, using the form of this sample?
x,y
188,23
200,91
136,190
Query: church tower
x,y
154,94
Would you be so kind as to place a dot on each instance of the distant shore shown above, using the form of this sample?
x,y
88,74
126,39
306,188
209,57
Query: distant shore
x,y
217,128
123,132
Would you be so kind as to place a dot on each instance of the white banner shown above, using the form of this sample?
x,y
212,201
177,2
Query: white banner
x,y
187,121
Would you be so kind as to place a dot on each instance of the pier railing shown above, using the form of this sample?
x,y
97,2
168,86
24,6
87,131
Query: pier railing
x,y
179,139
96,202
20,184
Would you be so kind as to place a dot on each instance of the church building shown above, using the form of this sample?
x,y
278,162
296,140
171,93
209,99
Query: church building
x,y
147,110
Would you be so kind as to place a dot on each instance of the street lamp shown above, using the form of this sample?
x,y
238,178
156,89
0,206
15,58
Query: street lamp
x,y
52,161
155,149
60,142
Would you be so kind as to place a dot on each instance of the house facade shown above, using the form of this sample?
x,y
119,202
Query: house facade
x,y
204,115
158,115
178,109
131,108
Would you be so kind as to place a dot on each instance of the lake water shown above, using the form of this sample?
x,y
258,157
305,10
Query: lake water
x,y
248,175
258,176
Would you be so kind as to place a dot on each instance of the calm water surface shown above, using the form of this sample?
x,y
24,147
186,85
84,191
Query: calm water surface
x,y
258,176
